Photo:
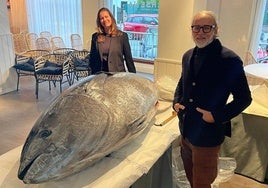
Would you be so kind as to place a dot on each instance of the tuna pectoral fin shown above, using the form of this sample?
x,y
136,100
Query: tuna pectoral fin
x,y
137,124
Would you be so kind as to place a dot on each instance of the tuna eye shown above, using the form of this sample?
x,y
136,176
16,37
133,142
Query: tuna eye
x,y
45,133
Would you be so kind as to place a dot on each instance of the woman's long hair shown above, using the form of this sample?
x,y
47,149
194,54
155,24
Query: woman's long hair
x,y
114,31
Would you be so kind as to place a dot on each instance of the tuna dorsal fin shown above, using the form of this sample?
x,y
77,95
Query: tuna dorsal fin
x,y
107,73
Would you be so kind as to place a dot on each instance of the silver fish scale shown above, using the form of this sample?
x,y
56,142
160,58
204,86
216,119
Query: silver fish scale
x,y
88,121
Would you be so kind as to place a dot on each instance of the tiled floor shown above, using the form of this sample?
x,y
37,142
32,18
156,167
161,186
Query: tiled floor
x,y
20,109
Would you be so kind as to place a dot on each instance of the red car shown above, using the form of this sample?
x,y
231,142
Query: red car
x,y
140,23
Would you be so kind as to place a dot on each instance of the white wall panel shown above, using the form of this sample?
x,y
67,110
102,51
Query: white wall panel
x,y
8,75
234,20
167,68
4,18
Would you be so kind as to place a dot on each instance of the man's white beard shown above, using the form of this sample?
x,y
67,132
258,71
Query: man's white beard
x,y
203,45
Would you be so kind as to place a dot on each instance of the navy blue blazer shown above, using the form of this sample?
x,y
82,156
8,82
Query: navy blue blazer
x,y
220,75
119,52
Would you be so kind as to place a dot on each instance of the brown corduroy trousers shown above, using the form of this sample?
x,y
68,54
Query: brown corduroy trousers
x,y
200,163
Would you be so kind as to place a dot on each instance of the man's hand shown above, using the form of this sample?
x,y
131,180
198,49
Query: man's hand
x,y
178,107
207,115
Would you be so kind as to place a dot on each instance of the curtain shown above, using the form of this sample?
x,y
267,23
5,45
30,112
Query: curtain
x,y
61,17
256,25
17,16
103,3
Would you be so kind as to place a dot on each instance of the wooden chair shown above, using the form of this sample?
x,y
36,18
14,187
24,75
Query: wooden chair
x,y
31,40
252,80
20,44
66,51
52,68
24,63
57,42
249,59
43,44
76,42
80,64
45,34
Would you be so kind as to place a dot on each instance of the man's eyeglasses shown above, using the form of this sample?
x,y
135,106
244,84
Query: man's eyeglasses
x,y
205,28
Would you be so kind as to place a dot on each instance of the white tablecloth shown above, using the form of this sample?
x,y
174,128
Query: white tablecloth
x,y
259,104
258,69
249,142
121,169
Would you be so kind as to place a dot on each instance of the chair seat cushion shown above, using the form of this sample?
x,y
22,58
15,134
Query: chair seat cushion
x,y
31,61
25,66
82,68
51,64
50,70
80,62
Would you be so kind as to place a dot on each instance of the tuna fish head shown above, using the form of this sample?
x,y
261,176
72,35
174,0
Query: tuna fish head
x,y
88,121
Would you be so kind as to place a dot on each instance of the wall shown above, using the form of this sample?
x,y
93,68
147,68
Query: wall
x,y
8,75
174,36
89,10
18,16
89,14
234,20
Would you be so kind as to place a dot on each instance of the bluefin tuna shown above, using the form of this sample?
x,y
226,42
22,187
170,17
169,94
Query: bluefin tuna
x,y
85,123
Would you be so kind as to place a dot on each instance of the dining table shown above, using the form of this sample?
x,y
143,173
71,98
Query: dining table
x,y
259,70
249,141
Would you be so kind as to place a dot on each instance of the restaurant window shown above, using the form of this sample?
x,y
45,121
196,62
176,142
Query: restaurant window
x,y
262,52
139,19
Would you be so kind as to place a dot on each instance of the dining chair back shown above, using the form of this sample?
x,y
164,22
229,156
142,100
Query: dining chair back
x,y
76,42
252,80
57,42
43,44
46,34
66,51
80,64
249,59
20,44
31,40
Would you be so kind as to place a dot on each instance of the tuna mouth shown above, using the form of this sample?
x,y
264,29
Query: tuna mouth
x,y
22,173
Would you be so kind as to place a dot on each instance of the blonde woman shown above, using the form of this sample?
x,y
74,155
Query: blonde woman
x,y
110,50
